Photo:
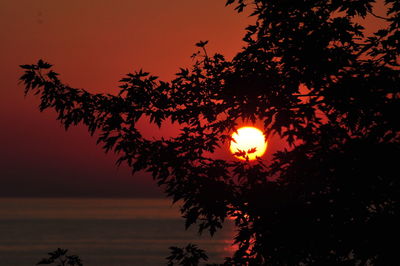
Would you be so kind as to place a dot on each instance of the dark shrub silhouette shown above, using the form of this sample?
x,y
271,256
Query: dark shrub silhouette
x,y
313,77
187,256
59,257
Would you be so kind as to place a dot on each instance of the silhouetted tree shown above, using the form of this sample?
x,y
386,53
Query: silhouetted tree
x,y
59,257
309,72
187,256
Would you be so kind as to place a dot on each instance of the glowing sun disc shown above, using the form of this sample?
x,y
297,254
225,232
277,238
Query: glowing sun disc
x,y
250,140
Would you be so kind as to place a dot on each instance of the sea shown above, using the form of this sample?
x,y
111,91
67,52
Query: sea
x,y
102,232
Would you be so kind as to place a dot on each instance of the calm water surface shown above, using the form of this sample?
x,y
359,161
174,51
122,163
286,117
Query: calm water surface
x,y
103,232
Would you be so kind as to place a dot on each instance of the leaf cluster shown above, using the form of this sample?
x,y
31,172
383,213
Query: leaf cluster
x,y
60,258
190,255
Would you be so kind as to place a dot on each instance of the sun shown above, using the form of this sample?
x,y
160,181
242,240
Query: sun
x,y
248,142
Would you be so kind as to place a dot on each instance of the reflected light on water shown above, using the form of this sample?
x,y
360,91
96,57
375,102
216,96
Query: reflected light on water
x,y
103,232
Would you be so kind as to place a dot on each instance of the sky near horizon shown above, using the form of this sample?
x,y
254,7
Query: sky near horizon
x,y
92,44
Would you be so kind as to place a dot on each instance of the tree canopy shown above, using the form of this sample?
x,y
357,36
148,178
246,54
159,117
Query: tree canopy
x,y
312,76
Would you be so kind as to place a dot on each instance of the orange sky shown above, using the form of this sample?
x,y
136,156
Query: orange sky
x,y
92,44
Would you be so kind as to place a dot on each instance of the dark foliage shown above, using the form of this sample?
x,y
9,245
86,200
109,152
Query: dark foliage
x,y
59,257
309,72
187,256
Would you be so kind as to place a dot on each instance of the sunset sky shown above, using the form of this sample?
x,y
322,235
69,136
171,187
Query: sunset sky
x,y
92,44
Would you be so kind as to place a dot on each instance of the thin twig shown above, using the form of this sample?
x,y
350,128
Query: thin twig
x,y
377,16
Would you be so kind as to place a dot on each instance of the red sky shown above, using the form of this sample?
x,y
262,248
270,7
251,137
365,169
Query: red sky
x,y
92,44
